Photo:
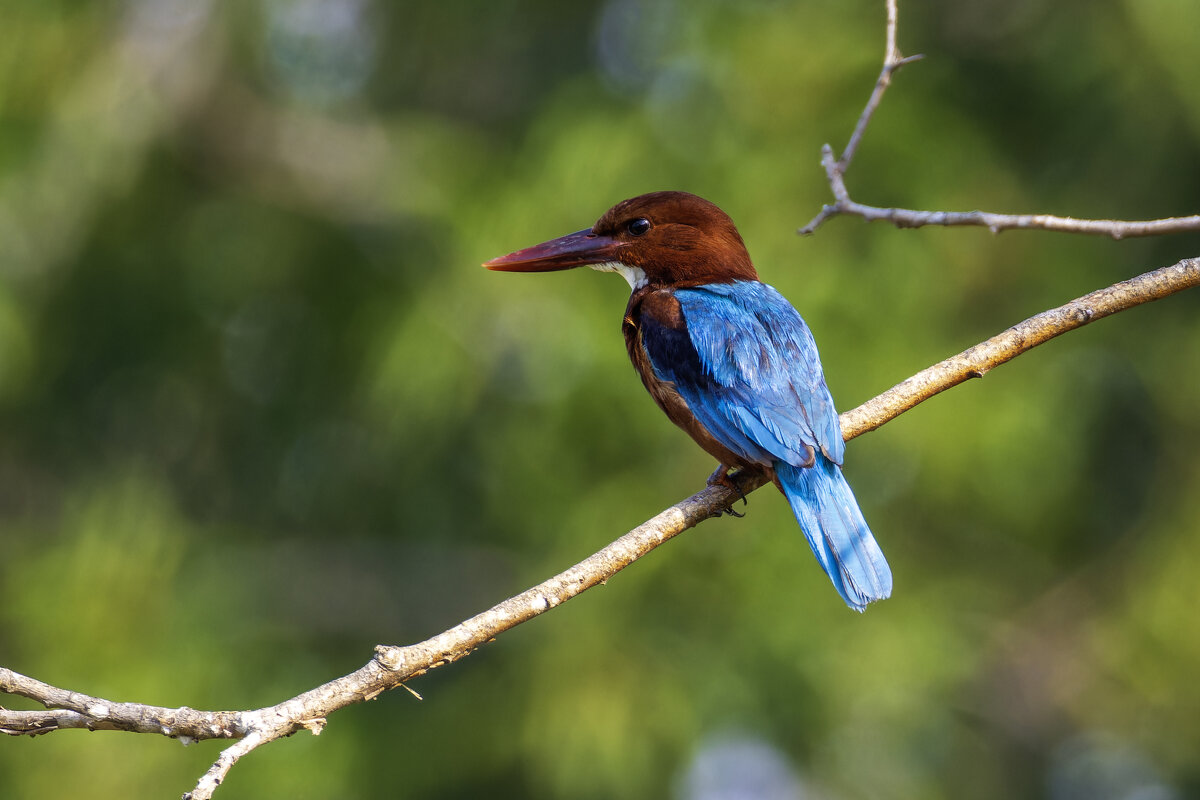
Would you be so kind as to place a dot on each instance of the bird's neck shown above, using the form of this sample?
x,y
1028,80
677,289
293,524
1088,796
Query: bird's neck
x,y
634,276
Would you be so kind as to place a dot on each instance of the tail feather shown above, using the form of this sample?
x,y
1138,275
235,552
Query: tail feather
x,y
829,515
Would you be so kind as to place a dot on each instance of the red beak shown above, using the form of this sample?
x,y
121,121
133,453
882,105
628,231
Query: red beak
x,y
573,250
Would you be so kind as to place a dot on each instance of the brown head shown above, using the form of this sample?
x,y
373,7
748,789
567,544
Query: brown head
x,y
656,239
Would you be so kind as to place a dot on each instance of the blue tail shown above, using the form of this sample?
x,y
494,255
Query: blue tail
x,y
830,518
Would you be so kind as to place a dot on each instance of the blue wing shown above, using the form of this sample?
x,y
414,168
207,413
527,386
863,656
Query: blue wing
x,y
753,376
747,366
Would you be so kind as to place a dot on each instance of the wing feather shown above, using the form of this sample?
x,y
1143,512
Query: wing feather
x,y
748,368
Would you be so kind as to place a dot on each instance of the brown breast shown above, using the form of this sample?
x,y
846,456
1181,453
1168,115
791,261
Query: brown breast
x,y
661,305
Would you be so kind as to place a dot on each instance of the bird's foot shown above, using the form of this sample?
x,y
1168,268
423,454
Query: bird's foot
x,y
721,477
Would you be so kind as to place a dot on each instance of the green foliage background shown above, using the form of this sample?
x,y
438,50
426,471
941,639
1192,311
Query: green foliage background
x,y
260,408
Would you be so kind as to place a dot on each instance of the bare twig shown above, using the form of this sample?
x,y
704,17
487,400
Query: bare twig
x,y
892,61
215,775
75,710
392,666
836,167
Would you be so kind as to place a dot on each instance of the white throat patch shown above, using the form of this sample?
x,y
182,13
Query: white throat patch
x,y
634,276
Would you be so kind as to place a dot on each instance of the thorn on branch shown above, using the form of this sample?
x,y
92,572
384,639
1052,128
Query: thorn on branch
x,y
317,724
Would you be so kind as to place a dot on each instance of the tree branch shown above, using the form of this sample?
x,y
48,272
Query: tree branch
x,y
835,174
976,361
911,218
835,168
391,666
892,61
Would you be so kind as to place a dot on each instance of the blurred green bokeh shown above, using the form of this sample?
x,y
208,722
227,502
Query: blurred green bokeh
x,y
260,408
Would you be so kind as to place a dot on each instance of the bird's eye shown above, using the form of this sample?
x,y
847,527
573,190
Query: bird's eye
x,y
638,226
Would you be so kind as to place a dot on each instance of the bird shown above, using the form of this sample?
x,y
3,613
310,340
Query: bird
x,y
731,362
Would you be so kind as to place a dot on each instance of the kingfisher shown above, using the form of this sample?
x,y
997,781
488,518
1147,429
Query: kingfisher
x,y
731,362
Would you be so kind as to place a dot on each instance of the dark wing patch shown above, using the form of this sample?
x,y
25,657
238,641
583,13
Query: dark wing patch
x,y
760,389
668,343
